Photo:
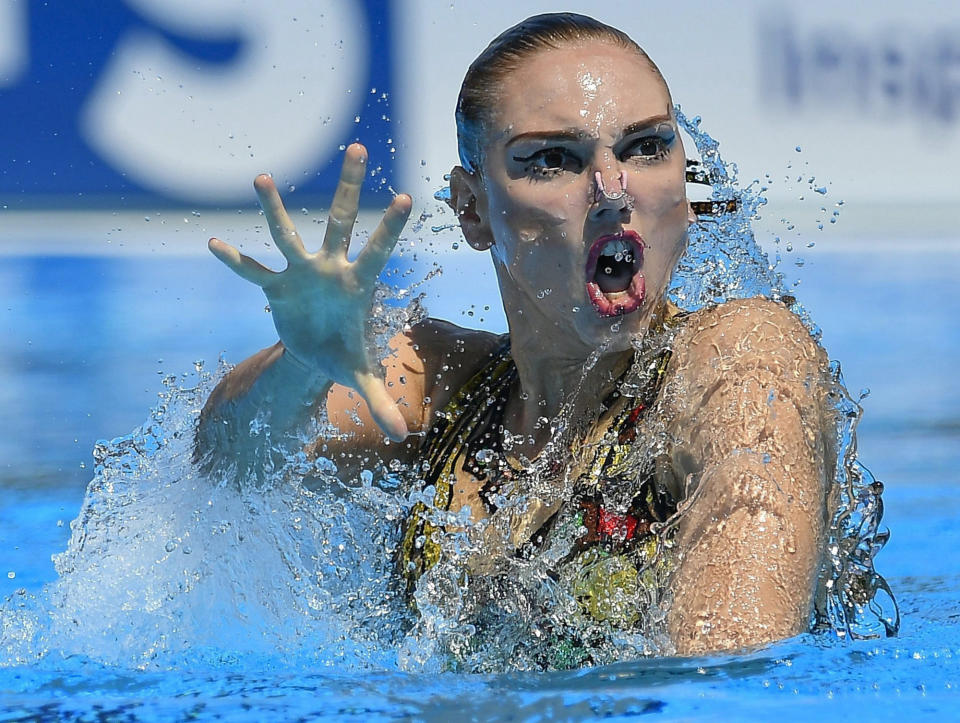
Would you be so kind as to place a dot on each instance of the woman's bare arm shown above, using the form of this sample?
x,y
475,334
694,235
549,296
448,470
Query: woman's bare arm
x,y
747,404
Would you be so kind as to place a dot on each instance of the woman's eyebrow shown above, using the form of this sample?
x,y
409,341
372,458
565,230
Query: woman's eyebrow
x,y
647,124
577,134
565,134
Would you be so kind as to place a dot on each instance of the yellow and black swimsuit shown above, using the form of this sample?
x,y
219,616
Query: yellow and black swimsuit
x,y
616,551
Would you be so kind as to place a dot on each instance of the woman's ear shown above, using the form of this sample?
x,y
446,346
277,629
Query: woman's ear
x,y
691,216
468,199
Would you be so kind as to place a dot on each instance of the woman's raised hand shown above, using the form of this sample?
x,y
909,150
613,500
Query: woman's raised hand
x,y
320,303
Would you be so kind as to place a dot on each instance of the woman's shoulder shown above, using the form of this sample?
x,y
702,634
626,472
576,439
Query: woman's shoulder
x,y
440,337
756,346
744,375
450,356
746,331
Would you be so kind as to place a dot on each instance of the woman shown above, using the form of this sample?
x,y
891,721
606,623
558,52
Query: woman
x,y
572,175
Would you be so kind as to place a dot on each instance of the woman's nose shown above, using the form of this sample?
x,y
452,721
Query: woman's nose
x,y
611,193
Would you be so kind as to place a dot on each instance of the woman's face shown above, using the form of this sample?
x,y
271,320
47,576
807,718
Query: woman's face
x,y
568,256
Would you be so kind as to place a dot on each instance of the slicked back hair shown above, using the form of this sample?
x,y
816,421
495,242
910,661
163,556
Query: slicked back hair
x,y
479,93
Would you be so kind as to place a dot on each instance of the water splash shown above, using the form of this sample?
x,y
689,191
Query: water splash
x,y
167,568
525,615
853,599
723,261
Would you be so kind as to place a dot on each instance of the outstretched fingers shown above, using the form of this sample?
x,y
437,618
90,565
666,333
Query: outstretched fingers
x,y
243,266
346,201
374,256
282,230
383,408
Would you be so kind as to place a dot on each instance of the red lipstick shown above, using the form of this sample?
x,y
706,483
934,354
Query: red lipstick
x,y
618,287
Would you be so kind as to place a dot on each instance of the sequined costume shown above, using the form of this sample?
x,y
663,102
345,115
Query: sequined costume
x,y
615,551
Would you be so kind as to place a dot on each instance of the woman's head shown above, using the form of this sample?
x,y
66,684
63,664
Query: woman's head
x,y
576,180
482,85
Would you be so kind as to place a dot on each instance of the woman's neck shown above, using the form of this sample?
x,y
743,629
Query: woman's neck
x,y
557,376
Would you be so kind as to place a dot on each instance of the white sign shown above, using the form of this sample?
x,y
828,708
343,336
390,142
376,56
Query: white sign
x,y
869,92
13,40
202,133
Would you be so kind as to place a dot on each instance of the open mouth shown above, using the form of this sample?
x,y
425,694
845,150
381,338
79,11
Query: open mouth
x,y
615,283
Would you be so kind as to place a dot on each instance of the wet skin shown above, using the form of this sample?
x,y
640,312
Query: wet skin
x,y
566,114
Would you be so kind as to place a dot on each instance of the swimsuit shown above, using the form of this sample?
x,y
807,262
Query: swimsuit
x,y
616,552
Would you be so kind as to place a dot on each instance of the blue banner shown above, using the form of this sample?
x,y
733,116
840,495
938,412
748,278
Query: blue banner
x,y
150,103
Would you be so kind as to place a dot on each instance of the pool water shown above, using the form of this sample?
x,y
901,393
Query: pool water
x,y
88,339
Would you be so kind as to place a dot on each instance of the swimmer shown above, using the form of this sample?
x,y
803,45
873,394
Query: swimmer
x,y
572,177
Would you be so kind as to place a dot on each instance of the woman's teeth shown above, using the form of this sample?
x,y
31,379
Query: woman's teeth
x,y
617,248
615,266
615,283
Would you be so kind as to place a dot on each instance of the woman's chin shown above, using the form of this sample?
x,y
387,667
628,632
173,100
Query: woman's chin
x,y
614,333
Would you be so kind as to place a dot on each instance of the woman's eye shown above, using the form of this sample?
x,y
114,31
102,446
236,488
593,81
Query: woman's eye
x,y
550,161
650,147
553,158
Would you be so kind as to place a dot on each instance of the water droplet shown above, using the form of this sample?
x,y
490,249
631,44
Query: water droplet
x,y
484,456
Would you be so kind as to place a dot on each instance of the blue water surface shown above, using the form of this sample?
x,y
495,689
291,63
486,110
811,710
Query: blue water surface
x,y
88,338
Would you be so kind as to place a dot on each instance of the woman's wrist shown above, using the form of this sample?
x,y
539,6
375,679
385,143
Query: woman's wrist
x,y
304,373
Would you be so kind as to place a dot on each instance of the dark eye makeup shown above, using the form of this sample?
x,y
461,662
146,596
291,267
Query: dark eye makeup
x,y
550,161
645,146
648,146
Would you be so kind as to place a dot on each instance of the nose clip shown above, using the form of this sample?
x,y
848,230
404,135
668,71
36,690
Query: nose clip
x,y
602,191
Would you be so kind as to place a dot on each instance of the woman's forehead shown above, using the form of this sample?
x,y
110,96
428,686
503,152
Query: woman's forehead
x,y
583,85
